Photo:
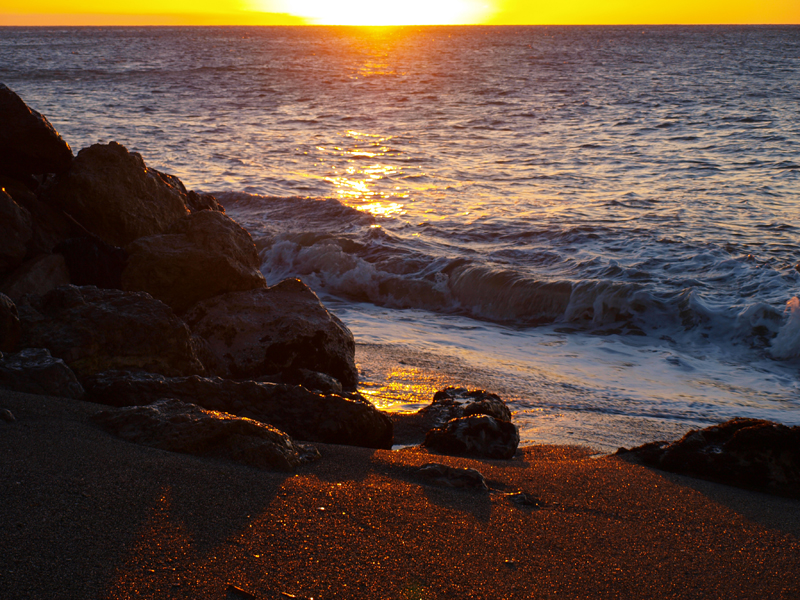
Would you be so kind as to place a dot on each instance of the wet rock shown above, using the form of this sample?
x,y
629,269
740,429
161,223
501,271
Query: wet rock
x,y
113,194
95,330
10,329
91,261
442,475
203,255
34,371
749,453
177,426
478,435
36,276
15,232
304,415
281,329
28,142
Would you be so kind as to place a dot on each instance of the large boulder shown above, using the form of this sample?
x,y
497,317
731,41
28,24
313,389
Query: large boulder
x,y
34,371
113,194
10,329
49,226
195,201
28,142
202,255
304,415
15,232
280,329
91,261
478,435
177,426
36,276
749,453
95,330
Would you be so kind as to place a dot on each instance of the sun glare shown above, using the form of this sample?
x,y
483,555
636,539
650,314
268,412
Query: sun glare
x,y
408,12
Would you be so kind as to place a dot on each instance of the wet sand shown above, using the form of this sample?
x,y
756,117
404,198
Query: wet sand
x,y
84,515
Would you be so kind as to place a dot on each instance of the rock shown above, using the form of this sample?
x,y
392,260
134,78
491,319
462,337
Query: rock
x,y
36,276
7,416
330,419
34,371
15,232
49,226
280,329
90,261
439,474
28,142
178,426
478,435
10,329
111,193
748,453
194,201
315,381
95,330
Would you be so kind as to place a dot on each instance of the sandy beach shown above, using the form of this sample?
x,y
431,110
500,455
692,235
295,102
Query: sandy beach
x,y
86,515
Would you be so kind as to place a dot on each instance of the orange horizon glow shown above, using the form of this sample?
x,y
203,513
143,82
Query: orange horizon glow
x,y
405,12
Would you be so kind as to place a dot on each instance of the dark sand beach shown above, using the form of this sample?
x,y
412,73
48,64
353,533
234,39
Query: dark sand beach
x,y
85,515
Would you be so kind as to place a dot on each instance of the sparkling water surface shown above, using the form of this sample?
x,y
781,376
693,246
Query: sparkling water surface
x,y
598,222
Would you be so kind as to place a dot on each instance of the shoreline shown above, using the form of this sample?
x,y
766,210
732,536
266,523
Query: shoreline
x,y
89,515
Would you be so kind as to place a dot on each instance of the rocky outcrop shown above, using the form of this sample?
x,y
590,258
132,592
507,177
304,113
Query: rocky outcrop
x,y
15,233
177,426
28,143
194,201
748,453
202,255
302,414
34,371
10,329
281,329
115,196
478,435
90,261
36,276
95,330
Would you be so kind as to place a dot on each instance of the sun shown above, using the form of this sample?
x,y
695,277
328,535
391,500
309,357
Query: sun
x,y
376,12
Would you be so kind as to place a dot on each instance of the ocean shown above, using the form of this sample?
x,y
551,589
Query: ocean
x,y
598,223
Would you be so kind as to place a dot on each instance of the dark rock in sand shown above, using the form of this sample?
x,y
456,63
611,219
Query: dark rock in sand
x,y
439,474
95,330
304,415
28,142
49,226
178,426
36,276
281,329
6,415
10,329
204,254
91,261
15,232
748,453
111,193
479,435
34,371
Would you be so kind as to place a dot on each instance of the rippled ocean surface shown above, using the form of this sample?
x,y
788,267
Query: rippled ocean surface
x,y
600,223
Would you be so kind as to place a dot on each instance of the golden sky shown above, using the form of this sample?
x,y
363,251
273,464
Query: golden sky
x,y
402,12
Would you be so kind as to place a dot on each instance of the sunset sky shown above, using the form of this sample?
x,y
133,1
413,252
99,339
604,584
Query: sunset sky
x,y
407,12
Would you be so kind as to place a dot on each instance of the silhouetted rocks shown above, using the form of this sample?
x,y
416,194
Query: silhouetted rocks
x,y
28,143
15,233
281,329
748,453
177,426
478,435
49,226
36,276
201,255
95,330
34,371
194,201
304,415
91,261
10,328
442,475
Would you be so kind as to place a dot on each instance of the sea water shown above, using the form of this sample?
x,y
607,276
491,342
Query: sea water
x,y
599,223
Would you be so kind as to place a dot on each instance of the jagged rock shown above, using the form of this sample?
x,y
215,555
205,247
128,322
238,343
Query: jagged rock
x,y
178,426
302,414
10,330
28,142
439,474
90,261
280,329
111,193
477,435
15,232
748,453
194,201
49,226
95,330
36,276
34,371
202,255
